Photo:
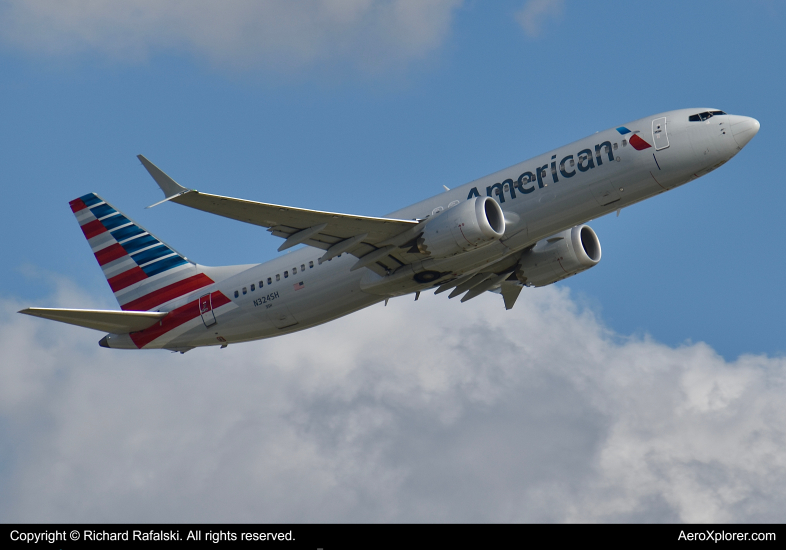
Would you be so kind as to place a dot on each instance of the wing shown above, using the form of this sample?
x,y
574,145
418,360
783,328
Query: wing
x,y
381,244
116,322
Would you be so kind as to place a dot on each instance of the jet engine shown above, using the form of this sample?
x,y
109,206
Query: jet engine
x,y
560,256
471,224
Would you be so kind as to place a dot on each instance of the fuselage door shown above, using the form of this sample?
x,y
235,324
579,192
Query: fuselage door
x,y
659,135
206,310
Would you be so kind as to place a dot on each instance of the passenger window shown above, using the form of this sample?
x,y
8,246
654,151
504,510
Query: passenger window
x,y
245,291
278,276
572,162
237,294
624,142
260,284
302,267
253,288
615,146
310,264
294,271
286,274
270,280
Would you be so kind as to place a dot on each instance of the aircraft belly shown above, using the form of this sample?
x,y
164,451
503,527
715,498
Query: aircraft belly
x,y
331,298
243,326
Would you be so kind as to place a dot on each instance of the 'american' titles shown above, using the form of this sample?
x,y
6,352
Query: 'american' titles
x,y
586,161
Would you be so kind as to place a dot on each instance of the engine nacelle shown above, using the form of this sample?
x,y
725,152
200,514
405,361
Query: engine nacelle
x,y
560,256
471,224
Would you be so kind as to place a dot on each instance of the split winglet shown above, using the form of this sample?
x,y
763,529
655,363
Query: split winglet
x,y
169,186
168,199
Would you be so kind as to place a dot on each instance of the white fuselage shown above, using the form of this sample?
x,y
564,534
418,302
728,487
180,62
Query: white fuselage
x,y
568,187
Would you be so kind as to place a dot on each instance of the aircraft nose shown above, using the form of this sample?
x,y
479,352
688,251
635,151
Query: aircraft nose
x,y
743,128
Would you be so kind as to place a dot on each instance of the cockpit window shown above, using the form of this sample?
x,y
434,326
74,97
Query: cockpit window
x,y
704,116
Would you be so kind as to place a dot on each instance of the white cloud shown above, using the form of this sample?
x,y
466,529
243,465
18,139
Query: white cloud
x,y
531,16
419,411
371,34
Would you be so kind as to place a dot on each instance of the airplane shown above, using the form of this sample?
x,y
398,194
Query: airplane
x,y
522,226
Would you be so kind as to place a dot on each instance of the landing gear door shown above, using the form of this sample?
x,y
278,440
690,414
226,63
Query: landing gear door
x,y
659,135
206,310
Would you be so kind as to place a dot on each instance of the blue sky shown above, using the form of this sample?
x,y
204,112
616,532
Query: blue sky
x,y
365,106
699,264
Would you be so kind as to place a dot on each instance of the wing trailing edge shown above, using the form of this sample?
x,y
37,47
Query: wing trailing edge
x,y
283,221
325,230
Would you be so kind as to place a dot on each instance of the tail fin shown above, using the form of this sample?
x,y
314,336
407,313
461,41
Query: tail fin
x,y
142,271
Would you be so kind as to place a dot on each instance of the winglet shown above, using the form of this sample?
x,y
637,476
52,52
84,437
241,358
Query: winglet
x,y
169,186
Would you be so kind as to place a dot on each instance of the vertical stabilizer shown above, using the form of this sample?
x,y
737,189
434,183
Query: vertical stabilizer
x,y
143,272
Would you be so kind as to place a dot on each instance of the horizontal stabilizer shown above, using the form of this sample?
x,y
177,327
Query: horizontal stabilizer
x,y
116,322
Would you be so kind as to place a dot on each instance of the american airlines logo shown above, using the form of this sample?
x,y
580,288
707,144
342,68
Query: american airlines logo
x,y
582,161
635,141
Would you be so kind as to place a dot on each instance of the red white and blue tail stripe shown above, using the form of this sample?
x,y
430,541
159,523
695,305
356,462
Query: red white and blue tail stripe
x,y
142,271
